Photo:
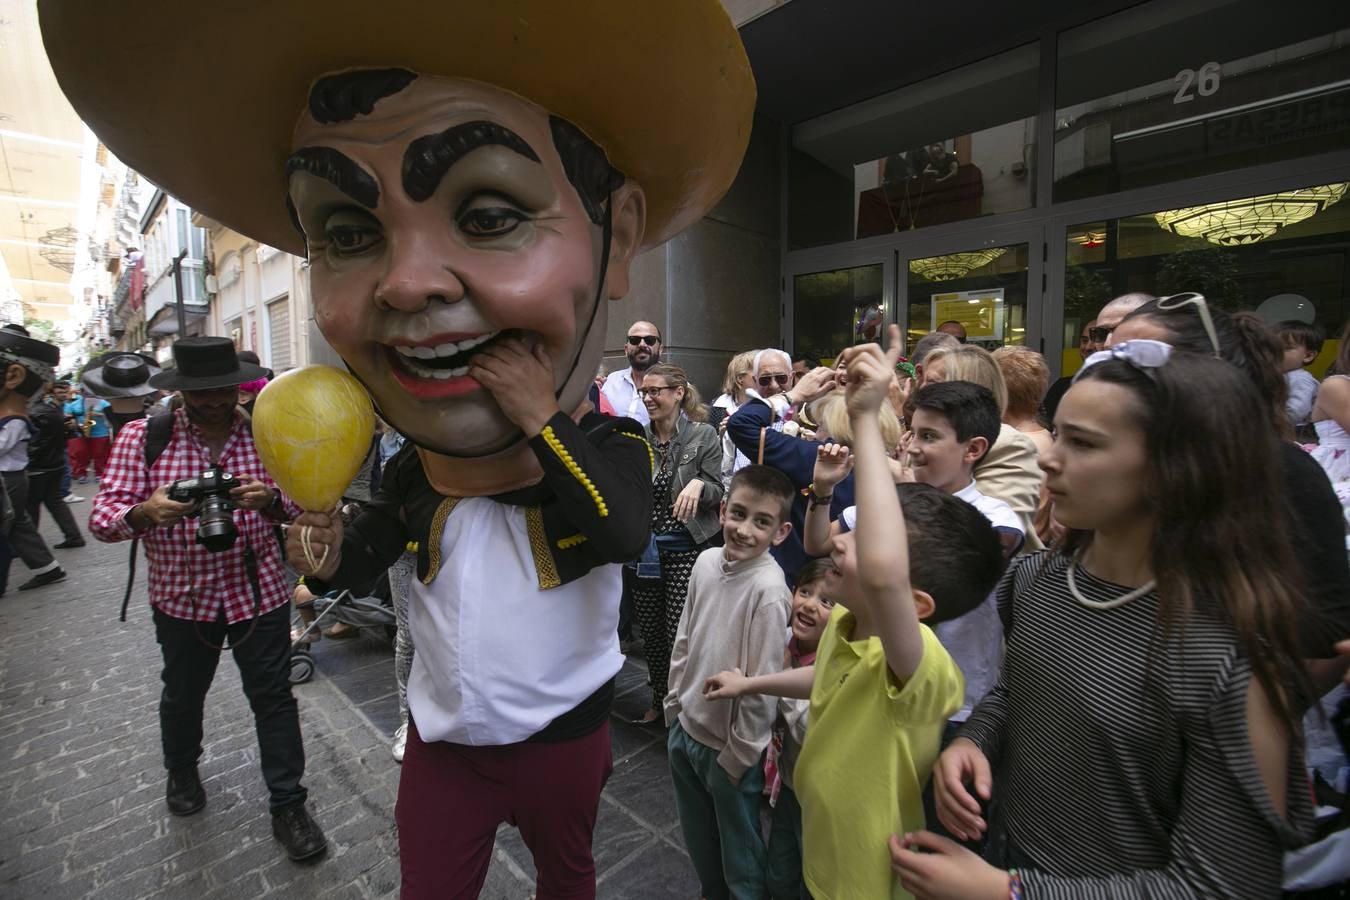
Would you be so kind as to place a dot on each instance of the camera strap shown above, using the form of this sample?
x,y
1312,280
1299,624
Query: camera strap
x,y
251,570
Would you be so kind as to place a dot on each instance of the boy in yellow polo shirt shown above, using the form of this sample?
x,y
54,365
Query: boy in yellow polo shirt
x,y
882,686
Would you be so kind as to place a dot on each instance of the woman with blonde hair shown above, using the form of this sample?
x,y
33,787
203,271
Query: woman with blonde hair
x,y
1027,378
686,496
738,379
1009,471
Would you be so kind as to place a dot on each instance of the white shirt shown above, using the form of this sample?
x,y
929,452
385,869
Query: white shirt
x,y
1302,396
999,514
623,395
14,446
497,658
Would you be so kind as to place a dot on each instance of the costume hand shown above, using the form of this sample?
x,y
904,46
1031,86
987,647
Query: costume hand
x,y
520,380
323,534
814,384
725,685
685,506
870,371
251,493
960,764
833,463
163,511
935,868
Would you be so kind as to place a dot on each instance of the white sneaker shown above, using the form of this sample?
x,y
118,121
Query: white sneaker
x,y
73,498
400,741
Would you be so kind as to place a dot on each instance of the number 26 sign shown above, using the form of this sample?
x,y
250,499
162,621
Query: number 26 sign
x,y
1189,82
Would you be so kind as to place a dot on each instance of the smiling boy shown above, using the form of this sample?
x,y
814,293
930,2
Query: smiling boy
x,y
735,617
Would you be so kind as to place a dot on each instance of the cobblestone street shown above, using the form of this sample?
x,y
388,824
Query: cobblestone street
x,y
83,785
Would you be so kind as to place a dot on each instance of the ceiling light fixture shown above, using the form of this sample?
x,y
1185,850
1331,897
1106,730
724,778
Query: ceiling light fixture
x,y
1250,219
954,265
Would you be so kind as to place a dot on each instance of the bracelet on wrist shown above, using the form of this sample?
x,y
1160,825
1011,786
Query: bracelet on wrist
x,y
813,499
1014,885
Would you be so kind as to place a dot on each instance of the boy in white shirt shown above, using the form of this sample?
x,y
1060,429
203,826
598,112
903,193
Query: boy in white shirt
x,y
734,618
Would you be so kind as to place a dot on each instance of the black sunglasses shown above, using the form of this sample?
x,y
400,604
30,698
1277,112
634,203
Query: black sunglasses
x,y
1099,334
650,340
765,380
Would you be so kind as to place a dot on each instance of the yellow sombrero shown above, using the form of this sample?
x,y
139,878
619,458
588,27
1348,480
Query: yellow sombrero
x,y
202,99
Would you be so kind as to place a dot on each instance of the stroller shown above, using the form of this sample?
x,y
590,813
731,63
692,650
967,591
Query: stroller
x,y
374,611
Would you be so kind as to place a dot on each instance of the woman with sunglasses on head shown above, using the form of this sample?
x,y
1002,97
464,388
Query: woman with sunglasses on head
x,y
1144,737
686,493
1316,521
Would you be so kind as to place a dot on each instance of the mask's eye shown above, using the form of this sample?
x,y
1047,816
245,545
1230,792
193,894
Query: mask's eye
x,y
351,233
490,221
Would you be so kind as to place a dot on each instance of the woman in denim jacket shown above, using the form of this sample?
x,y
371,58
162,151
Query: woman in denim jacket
x,y
686,496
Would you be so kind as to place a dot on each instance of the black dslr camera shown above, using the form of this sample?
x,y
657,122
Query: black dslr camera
x,y
215,528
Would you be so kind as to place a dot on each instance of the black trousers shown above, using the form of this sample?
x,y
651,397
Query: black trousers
x,y
264,661
44,489
27,544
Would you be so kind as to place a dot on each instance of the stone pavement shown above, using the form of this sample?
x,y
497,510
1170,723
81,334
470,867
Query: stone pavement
x,y
82,785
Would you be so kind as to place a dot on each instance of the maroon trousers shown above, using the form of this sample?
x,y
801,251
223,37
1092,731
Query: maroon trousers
x,y
452,797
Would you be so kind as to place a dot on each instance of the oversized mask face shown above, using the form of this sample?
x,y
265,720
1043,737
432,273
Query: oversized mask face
x,y
437,223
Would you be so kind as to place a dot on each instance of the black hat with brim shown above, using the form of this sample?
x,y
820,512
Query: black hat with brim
x,y
203,364
114,376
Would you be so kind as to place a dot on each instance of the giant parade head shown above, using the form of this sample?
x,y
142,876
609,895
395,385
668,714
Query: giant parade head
x,y
456,173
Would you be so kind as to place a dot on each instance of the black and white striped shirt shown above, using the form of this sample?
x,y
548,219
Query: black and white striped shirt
x,y
1121,761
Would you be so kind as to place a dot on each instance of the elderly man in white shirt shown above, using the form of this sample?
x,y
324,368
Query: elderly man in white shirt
x,y
643,350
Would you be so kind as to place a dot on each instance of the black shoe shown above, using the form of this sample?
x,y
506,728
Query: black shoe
x,y
185,794
46,578
70,543
298,833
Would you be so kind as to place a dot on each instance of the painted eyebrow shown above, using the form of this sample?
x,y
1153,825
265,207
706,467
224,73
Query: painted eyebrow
x,y
339,170
428,158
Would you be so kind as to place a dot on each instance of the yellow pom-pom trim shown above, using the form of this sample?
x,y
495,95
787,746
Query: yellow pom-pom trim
x,y
651,457
582,478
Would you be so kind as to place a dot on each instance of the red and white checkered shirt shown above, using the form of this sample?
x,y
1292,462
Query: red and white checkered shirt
x,y
186,580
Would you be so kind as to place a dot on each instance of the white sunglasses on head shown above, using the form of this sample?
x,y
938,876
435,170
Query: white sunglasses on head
x,y
1144,355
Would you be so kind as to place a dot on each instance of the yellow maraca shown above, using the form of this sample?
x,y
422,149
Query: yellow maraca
x,y
313,427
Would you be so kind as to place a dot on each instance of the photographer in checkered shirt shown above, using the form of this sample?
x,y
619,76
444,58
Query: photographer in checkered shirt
x,y
202,596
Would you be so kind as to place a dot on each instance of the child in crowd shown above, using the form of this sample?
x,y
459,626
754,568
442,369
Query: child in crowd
x,y
953,425
1302,342
882,685
1144,737
735,615
810,613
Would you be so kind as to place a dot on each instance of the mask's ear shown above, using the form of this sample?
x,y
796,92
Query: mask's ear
x,y
628,224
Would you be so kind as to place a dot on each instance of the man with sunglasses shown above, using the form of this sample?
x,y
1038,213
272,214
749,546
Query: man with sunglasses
x,y
643,349
1113,314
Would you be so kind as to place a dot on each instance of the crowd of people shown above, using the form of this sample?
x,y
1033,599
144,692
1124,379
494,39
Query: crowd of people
x,y
1121,712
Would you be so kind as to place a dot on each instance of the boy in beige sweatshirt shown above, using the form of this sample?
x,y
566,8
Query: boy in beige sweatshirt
x,y
735,617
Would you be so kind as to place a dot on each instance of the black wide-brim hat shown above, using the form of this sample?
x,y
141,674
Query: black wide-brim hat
x,y
203,364
114,376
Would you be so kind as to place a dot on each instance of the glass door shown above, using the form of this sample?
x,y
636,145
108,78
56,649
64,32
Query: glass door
x,y
836,301
988,286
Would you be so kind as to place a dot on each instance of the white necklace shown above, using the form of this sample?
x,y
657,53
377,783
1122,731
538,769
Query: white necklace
x,y
1104,604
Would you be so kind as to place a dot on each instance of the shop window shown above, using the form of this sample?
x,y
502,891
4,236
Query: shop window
x,y
952,148
836,309
1284,255
279,327
1171,90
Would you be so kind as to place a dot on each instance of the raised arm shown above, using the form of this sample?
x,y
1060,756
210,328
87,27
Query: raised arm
x,y
882,543
833,463
794,684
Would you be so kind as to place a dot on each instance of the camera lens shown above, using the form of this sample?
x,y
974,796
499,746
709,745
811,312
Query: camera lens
x,y
216,531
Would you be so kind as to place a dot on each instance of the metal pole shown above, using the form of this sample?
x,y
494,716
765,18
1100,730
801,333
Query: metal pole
x,y
178,293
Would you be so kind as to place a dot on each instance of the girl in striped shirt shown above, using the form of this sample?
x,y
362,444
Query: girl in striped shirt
x,y
1143,739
